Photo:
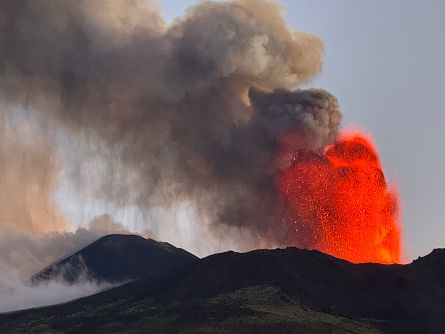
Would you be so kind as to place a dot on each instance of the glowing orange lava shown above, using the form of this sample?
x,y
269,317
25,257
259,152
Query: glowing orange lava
x,y
340,202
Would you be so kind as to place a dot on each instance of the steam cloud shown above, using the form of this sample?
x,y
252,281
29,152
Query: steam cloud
x,y
186,112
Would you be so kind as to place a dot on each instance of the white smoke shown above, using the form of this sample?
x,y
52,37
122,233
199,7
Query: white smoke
x,y
17,293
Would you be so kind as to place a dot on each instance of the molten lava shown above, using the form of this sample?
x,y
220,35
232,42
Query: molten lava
x,y
340,203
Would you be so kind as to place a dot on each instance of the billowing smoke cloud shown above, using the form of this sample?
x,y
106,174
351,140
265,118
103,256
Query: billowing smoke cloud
x,y
171,102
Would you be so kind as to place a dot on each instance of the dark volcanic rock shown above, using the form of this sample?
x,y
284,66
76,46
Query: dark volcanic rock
x,y
263,291
117,258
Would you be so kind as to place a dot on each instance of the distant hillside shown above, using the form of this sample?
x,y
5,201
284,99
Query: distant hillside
x,y
117,258
263,291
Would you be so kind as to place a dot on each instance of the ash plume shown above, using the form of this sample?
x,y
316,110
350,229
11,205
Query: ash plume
x,y
190,111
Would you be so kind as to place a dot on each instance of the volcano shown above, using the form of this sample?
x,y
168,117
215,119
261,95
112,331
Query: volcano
x,y
116,258
204,130
263,291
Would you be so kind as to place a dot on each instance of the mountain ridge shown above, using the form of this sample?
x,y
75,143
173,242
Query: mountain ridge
x,y
285,290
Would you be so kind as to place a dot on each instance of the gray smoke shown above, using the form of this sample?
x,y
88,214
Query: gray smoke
x,y
187,112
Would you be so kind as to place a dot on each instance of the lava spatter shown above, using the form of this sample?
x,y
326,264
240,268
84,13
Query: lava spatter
x,y
340,203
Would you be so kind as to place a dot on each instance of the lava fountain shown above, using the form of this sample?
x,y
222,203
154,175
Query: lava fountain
x,y
340,201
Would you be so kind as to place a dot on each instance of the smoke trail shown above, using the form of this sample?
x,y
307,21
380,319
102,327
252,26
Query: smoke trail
x,y
171,102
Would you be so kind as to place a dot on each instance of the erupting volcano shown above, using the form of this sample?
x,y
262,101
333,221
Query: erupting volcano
x,y
340,201
159,119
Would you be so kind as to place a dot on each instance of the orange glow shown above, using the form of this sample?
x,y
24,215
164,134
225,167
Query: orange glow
x,y
340,202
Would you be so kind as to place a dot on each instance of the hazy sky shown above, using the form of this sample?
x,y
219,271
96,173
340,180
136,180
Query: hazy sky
x,y
385,63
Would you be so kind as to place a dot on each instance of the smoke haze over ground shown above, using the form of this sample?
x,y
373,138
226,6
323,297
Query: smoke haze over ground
x,y
22,255
19,294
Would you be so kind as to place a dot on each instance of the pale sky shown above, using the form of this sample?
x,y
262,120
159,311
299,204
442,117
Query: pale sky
x,y
385,63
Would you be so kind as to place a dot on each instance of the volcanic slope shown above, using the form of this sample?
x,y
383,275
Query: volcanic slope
x,y
116,258
263,291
